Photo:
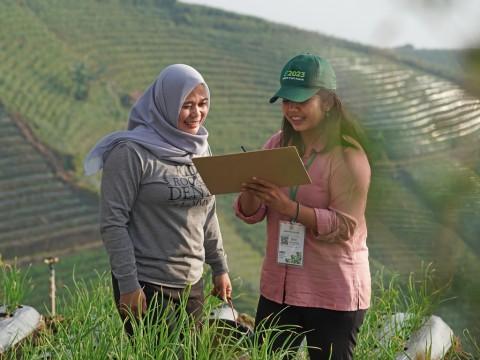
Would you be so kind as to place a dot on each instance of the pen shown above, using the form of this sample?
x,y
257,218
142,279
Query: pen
x,y
241,146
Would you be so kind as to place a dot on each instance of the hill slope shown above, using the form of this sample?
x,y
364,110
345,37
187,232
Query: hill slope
x,y
71,69
40,212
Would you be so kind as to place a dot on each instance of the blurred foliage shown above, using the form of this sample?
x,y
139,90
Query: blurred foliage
x,y
472,61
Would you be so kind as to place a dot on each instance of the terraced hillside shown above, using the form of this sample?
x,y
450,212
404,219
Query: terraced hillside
x,y
40,213
72,68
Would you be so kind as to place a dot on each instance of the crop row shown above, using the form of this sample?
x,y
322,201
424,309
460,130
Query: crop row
x,y
67,237
36,206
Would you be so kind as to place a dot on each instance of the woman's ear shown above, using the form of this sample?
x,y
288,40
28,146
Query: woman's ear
x,y
327,102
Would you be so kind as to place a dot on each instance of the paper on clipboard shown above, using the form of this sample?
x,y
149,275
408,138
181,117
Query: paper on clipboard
x,y
225,173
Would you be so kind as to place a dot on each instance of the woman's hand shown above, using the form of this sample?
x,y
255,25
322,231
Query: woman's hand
x,y
134,303
222,287
249,203
271,195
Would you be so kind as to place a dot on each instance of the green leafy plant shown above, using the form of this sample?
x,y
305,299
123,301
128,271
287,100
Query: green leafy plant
x,y
91,328
15,286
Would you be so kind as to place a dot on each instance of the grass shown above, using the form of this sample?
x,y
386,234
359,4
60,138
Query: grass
x,y
87,264
15,286
88,326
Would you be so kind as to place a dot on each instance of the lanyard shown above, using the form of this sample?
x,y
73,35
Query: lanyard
x,y
293,190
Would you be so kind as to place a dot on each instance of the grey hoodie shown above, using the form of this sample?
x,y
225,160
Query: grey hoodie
x,y
157,220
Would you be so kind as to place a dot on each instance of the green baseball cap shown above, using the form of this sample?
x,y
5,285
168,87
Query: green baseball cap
x,y
303,76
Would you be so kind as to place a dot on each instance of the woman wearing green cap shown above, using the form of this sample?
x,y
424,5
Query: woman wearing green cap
x,y
315,273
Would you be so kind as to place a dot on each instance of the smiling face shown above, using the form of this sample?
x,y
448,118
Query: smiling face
x,y
194,110
305,117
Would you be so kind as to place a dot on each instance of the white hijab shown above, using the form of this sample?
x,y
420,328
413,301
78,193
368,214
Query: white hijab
x,y
153,121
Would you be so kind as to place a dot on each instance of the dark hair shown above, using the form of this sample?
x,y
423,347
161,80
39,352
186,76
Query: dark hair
x,y
337,125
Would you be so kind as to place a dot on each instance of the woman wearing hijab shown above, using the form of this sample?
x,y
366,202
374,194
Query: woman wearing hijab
x,y
158,220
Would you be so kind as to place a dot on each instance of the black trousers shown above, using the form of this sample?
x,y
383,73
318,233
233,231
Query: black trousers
x,y
166,299
330,334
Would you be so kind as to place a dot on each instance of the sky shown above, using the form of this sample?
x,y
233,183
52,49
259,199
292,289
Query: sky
x,y
429,24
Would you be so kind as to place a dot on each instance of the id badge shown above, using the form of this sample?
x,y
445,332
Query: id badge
x,y
290,243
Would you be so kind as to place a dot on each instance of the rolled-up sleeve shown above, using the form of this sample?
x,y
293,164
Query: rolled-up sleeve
x,y
256,217
348,186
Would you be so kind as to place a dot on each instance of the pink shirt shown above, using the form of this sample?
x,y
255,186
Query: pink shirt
x,y
335,274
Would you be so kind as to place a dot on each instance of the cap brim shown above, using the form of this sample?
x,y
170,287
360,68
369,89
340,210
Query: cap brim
x,y
296,94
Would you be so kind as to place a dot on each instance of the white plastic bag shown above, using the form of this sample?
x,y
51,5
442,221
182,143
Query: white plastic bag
x,y
16,327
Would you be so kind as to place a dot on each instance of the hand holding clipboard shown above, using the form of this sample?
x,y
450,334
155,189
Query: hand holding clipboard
x,y
226,173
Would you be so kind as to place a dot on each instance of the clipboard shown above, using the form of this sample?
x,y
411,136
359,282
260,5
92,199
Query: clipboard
x,y
224,174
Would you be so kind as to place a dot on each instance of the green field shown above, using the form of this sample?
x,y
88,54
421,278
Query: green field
x,y
89,327
70,69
